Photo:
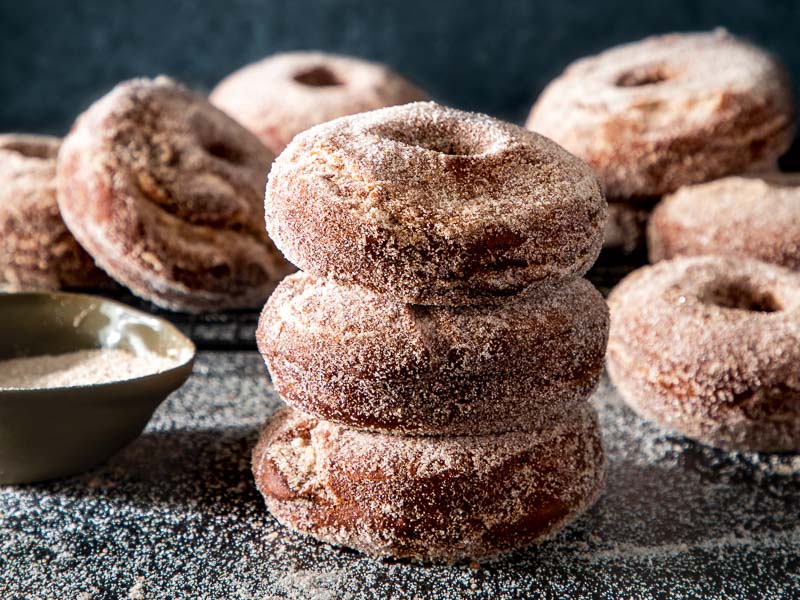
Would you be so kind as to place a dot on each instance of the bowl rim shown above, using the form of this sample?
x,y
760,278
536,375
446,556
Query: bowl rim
x,y
54,295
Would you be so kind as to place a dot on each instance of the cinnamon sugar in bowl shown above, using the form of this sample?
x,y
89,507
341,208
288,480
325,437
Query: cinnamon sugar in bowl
x,y
80,377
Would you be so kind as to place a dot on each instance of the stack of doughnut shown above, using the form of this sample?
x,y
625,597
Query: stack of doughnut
x,y
668,111
437,349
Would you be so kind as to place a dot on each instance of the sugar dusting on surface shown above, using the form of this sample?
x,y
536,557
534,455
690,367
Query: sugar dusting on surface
x,y
83,367
176,514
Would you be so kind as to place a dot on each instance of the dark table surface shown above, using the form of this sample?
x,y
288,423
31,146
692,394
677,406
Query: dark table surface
x,y
176,515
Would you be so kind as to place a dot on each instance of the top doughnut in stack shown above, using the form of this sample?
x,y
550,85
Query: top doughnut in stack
x,y
441,295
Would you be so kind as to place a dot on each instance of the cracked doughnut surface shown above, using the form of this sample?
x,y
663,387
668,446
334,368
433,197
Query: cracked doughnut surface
x,y
428,499
364,361
745,217
670,110
284,94
710,347
432,205
165,191
36,249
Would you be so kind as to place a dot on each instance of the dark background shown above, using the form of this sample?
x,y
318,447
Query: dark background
x,y
56,57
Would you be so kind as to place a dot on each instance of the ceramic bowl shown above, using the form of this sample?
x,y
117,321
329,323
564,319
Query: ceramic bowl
x,y
57,432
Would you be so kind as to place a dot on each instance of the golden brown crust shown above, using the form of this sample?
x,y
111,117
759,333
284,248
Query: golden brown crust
x,y
428,498
284,94
431,205
165,192
710,347
670,110
753,217
346,355
36,250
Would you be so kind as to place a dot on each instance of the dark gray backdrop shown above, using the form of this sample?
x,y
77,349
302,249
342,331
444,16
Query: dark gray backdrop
x,y
56,56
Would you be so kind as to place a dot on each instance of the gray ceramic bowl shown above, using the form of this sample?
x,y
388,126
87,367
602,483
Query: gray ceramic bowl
x,y
56,432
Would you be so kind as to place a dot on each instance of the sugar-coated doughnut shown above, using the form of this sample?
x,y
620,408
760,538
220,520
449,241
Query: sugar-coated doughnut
x,y
349,356
36,250
442,499
284,94
753,217
432,205
670,110
165,192
710,347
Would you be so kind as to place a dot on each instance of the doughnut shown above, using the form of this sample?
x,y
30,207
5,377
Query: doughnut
x,y
754,217
36,250
670,110
346,355
428,499
164,191
626,226
284,94
432,205
710,347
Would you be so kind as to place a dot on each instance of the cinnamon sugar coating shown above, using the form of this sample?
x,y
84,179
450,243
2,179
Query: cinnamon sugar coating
x,y
165,191
36,250
439,499
710,347
753,217
431,205
670,110
284,94
346,355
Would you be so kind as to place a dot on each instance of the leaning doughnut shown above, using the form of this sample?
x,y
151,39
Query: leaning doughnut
x,y
164,191
284,94
710,347
442,499
431,205
346,355
669,111
754,217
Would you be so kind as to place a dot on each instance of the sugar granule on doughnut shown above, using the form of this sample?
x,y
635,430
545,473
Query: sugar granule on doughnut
x,y
437,499
710,347
344,354
284,94
753,217
36,250
432,205
670,110
165,192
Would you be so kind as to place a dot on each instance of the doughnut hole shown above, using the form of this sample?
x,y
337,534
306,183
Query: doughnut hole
x,y
318,77
643,75
740,295
31,149
225,151
443,138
